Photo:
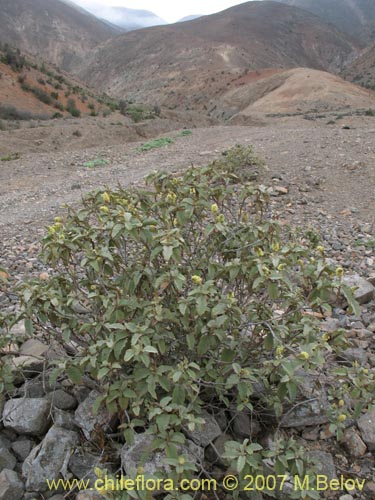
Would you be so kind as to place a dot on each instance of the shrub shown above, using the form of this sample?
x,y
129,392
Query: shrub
x,y
71,107
55,95
190,298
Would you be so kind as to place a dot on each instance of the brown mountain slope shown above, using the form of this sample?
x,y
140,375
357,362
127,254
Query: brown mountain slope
x,y
52,29
29,90
362,70
191,63
356,17
300,90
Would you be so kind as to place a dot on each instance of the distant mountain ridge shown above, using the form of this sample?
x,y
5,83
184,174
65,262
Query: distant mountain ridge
x,y
55,30
190,64
125,18
355,17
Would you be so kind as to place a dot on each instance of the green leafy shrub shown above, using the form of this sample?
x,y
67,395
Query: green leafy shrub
x,y
186,296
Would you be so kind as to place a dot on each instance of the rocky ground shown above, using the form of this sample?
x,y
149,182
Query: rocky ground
x,y
319,175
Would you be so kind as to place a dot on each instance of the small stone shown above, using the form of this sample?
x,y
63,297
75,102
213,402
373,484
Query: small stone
x,y
311,434
86,420
64,419
353,443
11,487
62,400
346,497
364,292
83,463
324,462
139,454
22,448
49,459
7,459
355,355
27,416
244,426
281,190
209,431
33,347
366,425
89,495
306,415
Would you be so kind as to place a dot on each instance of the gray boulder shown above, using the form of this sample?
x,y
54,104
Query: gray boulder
x,y
85,418
7,459
366,425
11,487
307,414
364,289
49,459
27,416
206,433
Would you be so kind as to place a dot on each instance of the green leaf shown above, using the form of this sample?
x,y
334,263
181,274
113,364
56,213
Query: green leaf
x,y
117,228
167,252
204,345
348,294
29,326
273,291
201,305
75,374
241,462
151,349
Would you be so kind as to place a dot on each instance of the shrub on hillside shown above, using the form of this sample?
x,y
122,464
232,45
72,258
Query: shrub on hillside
x,y
186,296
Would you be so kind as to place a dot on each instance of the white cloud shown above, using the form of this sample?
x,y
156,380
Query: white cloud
x,y
170,10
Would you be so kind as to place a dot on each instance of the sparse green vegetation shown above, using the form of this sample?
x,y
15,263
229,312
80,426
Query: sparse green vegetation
x,y
71,107
10,157
156,143
98,162
184,133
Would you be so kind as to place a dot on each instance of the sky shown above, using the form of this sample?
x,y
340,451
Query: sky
x,y
170,10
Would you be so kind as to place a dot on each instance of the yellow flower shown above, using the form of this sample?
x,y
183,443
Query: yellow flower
x,y
279,351
221,218
281,267
320,249
275,247
214,208
341,418
304,355
259,252
192,191
58,219
181,460
171,197
196,279
104,209
341,403
339,272
326,337
106,198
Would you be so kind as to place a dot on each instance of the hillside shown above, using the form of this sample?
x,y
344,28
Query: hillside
x,y
29,90
188,64
295,91
54,30
362,70
355,17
